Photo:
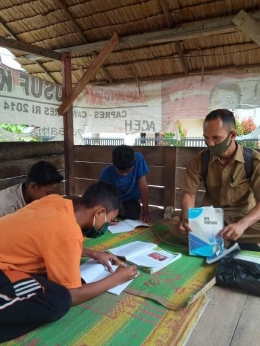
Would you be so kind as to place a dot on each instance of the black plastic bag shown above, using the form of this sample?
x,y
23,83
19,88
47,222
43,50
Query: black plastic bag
x,y
240,274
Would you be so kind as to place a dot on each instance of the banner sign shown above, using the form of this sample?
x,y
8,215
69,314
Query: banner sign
x,y
128,108
25,99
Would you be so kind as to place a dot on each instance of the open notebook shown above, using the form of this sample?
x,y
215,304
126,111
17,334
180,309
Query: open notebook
x,y
126,226
147,256
92,271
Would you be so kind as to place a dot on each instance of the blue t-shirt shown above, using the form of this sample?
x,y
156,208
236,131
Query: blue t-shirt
x,y
127,186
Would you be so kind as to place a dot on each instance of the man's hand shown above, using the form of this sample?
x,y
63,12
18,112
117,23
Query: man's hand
x,y
144,218
184,227
232,231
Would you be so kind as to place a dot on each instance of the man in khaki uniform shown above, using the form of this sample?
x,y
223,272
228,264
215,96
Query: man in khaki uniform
x,y
227,184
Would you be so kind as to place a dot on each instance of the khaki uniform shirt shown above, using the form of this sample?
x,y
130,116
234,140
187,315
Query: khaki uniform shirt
x,y
227,185
11,199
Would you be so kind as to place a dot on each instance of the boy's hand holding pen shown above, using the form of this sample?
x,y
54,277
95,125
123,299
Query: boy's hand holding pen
x,y
113,222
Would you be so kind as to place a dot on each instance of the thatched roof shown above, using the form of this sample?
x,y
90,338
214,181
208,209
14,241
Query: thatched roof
x,y
158,38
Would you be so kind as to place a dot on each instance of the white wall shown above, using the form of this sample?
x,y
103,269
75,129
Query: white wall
x,y
193,127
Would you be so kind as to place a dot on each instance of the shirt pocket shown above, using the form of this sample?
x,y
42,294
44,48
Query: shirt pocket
x,y
214,189
239,189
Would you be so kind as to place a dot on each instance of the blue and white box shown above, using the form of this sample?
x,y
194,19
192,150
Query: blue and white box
x,y
205,223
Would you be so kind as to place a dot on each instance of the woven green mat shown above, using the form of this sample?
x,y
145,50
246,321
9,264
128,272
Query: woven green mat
x,y
110,320
174,286
130,319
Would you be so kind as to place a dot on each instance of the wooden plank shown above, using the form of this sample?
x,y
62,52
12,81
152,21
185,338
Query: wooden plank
x,y
29,48
207,71
22,150
82,184
219,320
68,126
248,25
183,32
93,153
5,183
16,168
169,176
13,36
156,195
178,198
61,189
179,177
92,170
88,170
247,331
184,155
177,44
109,47
154,156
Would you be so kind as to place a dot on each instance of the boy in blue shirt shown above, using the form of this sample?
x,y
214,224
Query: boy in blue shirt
x,y
128,175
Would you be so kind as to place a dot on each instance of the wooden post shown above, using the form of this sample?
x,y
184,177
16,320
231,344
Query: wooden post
x,y
248,25
68,126
170,176
81,84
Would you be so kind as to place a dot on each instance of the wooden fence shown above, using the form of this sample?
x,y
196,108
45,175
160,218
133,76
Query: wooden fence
x,y
167,166
16,158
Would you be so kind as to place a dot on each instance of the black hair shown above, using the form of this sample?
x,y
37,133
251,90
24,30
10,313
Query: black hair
x,y
228,87
103,194
43,173
123,157
225,115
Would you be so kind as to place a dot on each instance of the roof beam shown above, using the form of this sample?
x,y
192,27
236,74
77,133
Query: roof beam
x,y
248,25
15,38
184,32
29,48
177,44
71,18
81,34
89,74
209,71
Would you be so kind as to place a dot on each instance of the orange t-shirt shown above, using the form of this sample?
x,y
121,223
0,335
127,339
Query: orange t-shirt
x,y
43,235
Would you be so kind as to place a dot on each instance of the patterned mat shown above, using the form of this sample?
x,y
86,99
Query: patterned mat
x,y
174,286
124,320
130,319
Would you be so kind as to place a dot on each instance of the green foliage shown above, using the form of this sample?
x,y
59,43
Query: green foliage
x,y
171,141
17,129
182,131
253,143
14,128
245,126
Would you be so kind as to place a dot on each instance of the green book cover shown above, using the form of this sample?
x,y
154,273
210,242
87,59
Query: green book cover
x,y
250,256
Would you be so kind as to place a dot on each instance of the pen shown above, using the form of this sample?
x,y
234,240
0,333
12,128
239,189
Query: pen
x,y
123,264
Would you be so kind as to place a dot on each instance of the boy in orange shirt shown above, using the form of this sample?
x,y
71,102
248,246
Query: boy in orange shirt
x,y
45,237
